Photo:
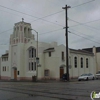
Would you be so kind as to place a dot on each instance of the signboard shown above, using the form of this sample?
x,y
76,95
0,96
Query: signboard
x,y
37,60
39,65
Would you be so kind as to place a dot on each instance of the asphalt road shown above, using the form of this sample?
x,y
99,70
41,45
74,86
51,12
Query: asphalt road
x,y
48,91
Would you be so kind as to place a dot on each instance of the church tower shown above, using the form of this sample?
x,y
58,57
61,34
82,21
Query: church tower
x,y
21,33
21,36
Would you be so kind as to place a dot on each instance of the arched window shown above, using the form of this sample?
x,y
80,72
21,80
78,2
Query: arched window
x,y
25,31
32,52
86,62
32,66
81,62
75,62
32,57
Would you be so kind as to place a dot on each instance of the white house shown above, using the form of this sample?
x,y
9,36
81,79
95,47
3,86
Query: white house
x,y
20,61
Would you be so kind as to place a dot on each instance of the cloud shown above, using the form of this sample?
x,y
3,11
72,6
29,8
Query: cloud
x,y
40,8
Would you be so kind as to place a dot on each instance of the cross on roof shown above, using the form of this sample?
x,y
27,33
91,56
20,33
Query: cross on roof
x,y
22,19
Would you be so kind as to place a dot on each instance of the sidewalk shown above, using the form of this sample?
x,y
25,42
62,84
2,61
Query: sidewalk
x,y
39,81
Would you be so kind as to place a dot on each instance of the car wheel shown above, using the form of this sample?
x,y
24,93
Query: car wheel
x,y
97,78
79,80
87,79
93,78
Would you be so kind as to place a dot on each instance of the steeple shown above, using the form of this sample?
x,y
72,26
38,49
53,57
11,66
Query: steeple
x,y
21,33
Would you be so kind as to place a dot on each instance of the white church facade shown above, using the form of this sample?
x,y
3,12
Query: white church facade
x,y
19,62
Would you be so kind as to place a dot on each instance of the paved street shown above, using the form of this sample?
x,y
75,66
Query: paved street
x,y
48,91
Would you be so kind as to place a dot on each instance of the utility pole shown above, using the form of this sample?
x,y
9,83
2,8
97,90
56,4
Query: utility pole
x,y
66,35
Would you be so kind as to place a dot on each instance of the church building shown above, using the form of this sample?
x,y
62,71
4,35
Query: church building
x,y
20,61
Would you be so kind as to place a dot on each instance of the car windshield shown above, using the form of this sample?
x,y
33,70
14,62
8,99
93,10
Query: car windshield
x,y
98,72
84,74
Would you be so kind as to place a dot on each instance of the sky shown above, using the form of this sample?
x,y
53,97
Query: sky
x,y
48,18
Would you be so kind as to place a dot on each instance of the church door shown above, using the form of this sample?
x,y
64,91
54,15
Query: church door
x,y
61,72
15,74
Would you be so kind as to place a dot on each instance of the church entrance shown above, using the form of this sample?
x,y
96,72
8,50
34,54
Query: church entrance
x,y
15,74
61,72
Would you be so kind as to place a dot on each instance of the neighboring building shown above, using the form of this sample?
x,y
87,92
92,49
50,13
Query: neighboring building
x,y
82,62
5,72
20,61
96,51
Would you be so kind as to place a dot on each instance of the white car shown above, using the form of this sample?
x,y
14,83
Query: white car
x,y
86,77
97,76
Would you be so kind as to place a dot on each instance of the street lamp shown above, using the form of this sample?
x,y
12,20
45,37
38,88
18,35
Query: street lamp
x,y
37,59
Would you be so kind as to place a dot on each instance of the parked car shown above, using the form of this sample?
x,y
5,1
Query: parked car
x,y
97,76
86,77
64,77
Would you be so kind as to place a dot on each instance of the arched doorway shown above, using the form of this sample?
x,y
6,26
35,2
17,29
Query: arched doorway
x,y
14,73
61,70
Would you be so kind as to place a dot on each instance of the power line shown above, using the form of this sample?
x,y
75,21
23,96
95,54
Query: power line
x,y
49,15
31,15
84,37
18,11
46,15
84,25
51,31
6,30
12,13
81,33
36,20
82,4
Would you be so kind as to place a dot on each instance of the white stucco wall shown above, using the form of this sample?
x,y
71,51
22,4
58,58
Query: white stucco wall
x,y
78,71
7,72
98,61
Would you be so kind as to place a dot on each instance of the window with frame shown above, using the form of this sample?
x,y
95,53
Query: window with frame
x,y
32,66
49,54
35,52
62,54
81,62
32,52
46,72
86,62
29,53
17,72
5,68
75,62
